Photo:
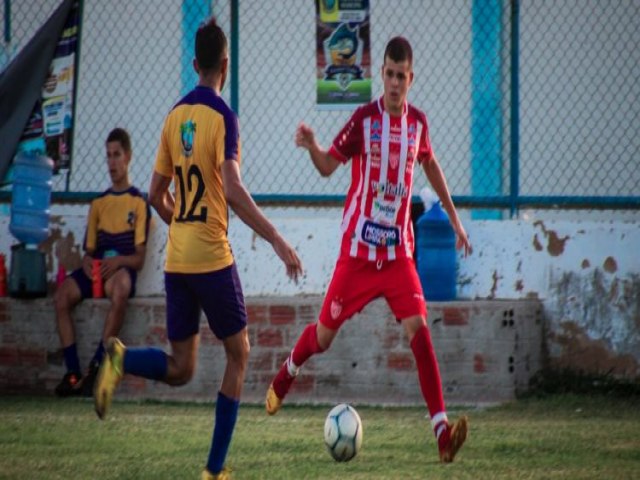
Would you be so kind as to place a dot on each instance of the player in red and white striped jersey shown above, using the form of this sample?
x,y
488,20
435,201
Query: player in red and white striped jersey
x,y
383,140
383,149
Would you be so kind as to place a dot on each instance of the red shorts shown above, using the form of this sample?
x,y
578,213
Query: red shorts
x,y
356,282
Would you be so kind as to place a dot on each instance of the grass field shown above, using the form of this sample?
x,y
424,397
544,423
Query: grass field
x,y
558,437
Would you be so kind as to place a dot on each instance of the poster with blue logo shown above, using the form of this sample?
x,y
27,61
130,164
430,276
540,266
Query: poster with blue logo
x,y
342,54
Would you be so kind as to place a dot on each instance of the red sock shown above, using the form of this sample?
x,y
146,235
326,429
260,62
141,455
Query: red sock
x,y
306,346
428,371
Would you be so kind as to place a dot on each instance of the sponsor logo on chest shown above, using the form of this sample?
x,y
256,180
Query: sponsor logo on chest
x,y
389,188
375,154
384,211
380,235
394,159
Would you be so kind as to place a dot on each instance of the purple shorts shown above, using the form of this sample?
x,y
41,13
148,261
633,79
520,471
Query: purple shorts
x,y
86,285
218,294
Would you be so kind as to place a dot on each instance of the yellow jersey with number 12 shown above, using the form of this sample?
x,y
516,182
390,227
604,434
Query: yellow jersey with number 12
x,y
200,133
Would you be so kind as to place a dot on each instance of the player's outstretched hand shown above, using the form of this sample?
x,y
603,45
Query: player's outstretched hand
x,y
305,137
289,256
462,241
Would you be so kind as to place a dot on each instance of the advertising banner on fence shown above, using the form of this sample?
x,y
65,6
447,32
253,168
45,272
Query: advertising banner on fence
x,y
52,118
39,73
31,79
343,54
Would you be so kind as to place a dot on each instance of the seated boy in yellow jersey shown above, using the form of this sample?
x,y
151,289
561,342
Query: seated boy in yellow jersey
x,y
117,231
200,151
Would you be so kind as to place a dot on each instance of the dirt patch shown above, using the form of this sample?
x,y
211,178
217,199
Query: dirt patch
x,y
581,353
610,265
536,243
555,244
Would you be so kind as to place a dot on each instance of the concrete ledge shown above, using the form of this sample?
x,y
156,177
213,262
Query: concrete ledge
x,y
488,350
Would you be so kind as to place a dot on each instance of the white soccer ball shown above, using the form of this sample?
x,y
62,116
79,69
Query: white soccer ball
x,y
343,432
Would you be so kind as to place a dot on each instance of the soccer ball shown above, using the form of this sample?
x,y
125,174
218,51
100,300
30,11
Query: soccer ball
x,y
343,432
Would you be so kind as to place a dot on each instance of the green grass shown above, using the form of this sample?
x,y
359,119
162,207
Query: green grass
x,y
558,437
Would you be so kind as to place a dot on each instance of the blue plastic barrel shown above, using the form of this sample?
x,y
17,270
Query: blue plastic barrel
x,y
437,259
31,197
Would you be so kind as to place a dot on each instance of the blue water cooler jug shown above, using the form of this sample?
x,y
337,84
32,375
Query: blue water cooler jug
x,y
437,259
31,197
29,223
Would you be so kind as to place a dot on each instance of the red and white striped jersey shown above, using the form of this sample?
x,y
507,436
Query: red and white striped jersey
x,y
376,222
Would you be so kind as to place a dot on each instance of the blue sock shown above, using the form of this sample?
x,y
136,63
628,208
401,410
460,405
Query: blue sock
x,y
226,415
146,362
71,359
97,357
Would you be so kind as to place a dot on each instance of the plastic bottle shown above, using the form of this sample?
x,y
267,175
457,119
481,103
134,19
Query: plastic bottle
x,y
31,197
96,279
3,276
437,260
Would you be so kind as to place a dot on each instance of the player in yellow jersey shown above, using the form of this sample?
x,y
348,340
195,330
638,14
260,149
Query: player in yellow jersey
x,y
200,152
117,231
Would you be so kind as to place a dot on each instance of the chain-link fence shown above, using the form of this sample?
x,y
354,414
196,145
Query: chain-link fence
x,y
579,91
535,99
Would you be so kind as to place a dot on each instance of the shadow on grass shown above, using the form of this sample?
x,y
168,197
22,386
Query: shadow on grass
x,y
564,381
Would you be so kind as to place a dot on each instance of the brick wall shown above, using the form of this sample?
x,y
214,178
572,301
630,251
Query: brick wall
x,y
487,350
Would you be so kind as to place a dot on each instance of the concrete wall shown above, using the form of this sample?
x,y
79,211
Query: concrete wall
x,y
487,350
585,273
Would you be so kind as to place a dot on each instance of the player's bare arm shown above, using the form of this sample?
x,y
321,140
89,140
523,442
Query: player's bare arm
x,y
243,205
437,179
324,163
161,198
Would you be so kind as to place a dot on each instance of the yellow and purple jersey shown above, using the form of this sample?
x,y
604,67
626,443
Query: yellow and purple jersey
x,y
118,221
199,133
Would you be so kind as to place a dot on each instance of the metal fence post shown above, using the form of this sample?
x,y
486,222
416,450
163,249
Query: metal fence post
x,y
515,109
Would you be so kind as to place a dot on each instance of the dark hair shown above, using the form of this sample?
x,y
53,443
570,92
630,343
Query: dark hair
x,y
211,45
399,49
122,136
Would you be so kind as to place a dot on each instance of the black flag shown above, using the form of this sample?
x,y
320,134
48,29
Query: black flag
x,y
22,81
